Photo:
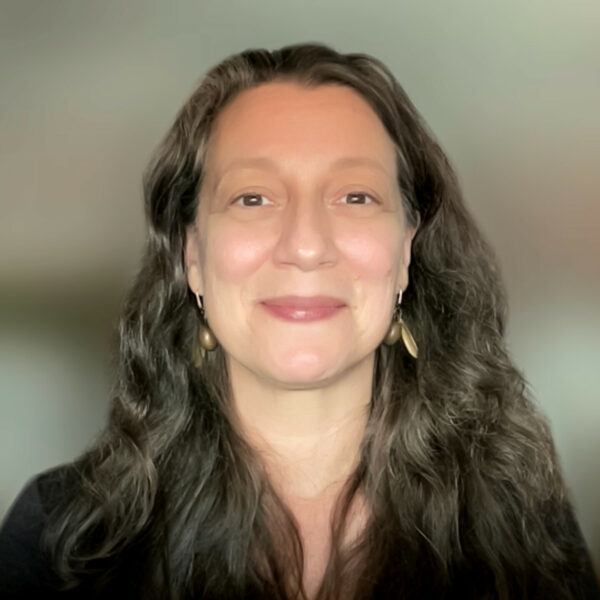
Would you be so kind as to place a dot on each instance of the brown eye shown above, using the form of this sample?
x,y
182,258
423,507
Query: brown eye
x,y
250,200
358,198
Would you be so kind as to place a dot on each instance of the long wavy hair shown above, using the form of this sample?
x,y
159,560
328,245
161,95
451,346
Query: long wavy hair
x,y
457,467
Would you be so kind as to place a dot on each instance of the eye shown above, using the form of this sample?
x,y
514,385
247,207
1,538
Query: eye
x,y
357,198
250,200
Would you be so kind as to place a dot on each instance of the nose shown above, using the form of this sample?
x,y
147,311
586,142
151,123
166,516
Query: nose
x,y
305,239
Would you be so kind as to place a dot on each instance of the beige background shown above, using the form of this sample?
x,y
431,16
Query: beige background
x,y
87,88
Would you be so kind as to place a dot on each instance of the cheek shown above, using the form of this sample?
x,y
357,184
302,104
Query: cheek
x,y
233,252
373,253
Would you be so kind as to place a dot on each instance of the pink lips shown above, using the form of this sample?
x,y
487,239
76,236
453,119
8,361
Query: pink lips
x,y
303,308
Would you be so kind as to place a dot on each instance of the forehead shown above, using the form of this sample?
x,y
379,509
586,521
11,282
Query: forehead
x,y
287,121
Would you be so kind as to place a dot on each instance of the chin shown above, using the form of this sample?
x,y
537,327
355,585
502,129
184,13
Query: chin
x,y
305,370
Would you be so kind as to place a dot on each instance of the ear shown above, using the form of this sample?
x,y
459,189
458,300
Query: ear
x,y
191,259
407,244
405,254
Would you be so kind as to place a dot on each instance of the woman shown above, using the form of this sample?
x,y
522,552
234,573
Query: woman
x,y
314,398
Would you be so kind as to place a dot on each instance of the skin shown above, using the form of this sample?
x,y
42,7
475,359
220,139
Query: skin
x,y
300,197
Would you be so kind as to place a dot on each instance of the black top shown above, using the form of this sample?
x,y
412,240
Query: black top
x,y
24,569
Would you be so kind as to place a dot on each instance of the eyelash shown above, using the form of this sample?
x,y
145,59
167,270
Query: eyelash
x,y
373,200
240,199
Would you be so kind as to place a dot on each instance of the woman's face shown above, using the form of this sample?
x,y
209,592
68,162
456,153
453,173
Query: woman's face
x,y
300,244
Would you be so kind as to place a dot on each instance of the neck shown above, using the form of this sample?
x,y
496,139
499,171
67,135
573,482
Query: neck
x,y
309,439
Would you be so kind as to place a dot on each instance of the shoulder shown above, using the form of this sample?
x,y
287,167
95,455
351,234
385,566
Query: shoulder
x,y
24,569
582,569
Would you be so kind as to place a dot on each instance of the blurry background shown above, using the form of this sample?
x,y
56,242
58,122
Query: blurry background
x,y
87,89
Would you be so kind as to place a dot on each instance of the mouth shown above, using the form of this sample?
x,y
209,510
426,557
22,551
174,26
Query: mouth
x,y
303,308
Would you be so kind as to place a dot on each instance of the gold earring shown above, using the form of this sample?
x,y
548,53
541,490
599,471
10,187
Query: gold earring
x,y
398,329
207,338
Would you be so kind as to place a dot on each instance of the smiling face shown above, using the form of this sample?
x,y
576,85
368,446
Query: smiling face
x,y
300,243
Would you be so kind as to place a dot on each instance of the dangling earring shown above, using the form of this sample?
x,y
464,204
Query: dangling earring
x,y
398,329
207,338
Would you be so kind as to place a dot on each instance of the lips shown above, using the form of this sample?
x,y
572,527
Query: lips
x,y
303,308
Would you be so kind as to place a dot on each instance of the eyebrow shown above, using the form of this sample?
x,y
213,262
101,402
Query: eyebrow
x,y
263,162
